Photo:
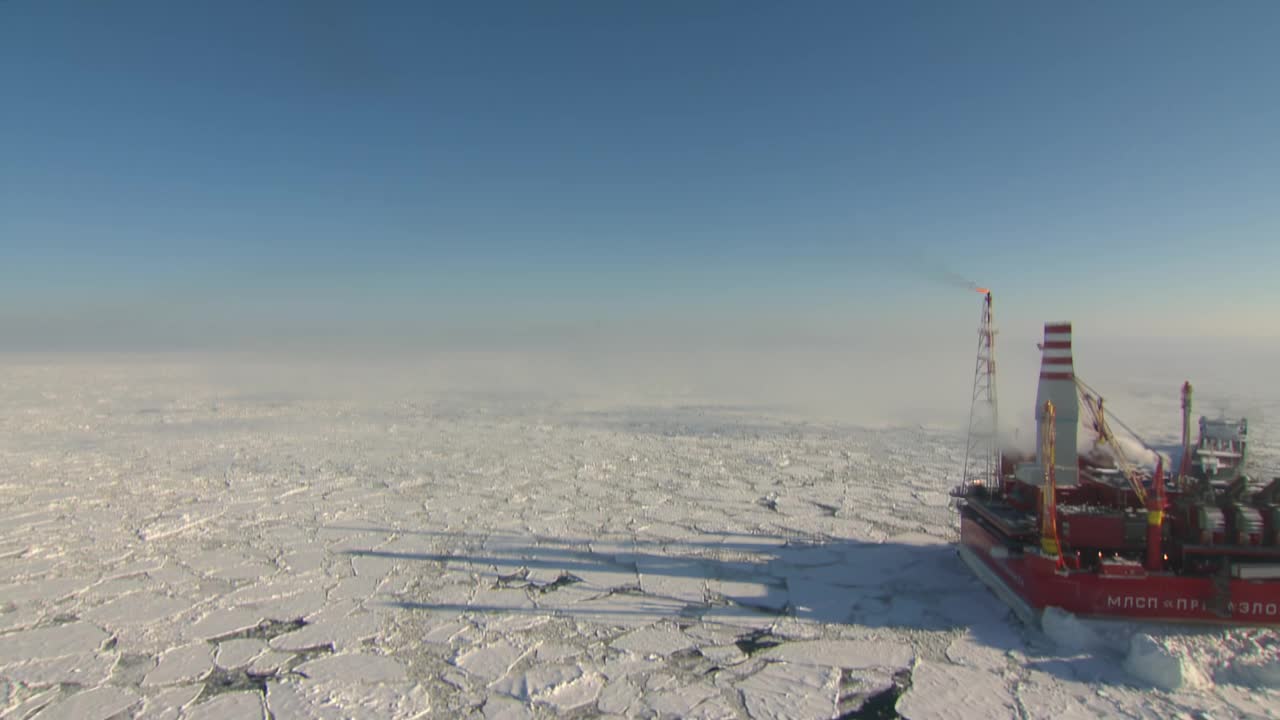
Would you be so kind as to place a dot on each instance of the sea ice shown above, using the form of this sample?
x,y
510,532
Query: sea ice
x,y
239,652
180,665
781,690
83,669
585,555
1068,631
848,654
340,632
653,641
943,691
353,668
98,703
223,622
239,705
50,642
167,704
491,662
1161,665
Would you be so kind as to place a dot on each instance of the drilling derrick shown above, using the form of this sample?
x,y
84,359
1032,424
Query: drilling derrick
x,y
982,451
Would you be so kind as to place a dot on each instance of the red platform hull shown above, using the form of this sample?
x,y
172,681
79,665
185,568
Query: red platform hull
x,y
1030,582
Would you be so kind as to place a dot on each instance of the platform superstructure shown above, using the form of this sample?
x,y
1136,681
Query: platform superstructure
x,y
1103,534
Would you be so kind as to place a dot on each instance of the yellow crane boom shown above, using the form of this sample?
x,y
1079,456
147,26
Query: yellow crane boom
x,y
1098,418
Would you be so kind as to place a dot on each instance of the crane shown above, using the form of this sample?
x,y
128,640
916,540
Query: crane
x,y
1050,544
1098,417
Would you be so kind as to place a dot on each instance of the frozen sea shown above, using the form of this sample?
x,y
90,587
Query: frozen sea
x,y
176,543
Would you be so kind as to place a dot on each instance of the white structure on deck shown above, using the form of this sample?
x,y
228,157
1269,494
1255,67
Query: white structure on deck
x,y
1058,384
1221,448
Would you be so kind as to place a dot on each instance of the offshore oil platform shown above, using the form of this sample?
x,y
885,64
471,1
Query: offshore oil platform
x,y
1099,534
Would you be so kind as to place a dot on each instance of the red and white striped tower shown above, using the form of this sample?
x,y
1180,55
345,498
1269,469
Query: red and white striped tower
x,y
1058,385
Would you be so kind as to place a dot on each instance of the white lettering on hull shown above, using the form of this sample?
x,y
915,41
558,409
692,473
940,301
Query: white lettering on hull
x,y
1183,604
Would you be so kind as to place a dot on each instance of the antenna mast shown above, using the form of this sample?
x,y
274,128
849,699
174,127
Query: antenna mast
x,y
982,451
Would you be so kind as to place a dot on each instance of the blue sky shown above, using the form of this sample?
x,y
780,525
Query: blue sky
x,y
229,174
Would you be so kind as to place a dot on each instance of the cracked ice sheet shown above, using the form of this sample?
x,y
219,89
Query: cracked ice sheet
x,y
85,669
849,654
239,652
340,632
562,688
782,690
278,506
944,691
240,705
346,700
653,641
50,642
491,662
167,704
223,622
98,703
181,665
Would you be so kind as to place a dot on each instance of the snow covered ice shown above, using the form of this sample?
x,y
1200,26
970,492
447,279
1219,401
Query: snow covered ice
x,y
174,547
